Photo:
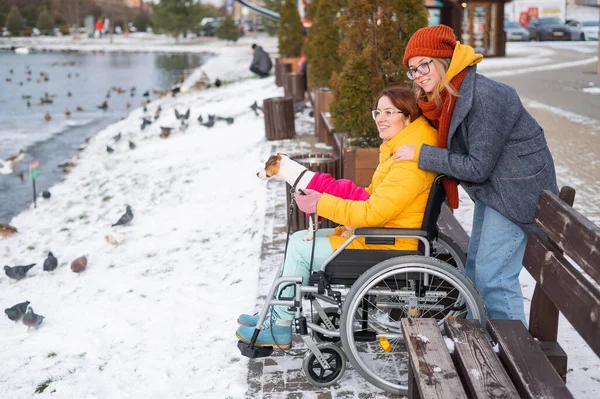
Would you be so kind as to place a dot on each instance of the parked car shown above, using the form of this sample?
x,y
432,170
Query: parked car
x,y
590,30
208,26
575,28
515,31
548,29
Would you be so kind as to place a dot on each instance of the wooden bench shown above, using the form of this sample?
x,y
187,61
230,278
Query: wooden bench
x,y
524,363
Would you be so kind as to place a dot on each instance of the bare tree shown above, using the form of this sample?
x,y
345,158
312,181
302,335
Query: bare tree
x,y
71,10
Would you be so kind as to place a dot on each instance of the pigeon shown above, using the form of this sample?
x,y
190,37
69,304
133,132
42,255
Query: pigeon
x,y
46,194
229,120
103,106
7,230
145,122
79,264
182,117
165,131
146,93
109,149
117,137
218,82
17,272
17,311
298,106
256,107
69,94
131,145
50,263
126,218
30,319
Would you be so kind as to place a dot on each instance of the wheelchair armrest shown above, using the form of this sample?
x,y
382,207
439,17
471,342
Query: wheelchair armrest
x,y
379,231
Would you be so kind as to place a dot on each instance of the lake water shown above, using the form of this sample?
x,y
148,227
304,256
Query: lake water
x,y
74,79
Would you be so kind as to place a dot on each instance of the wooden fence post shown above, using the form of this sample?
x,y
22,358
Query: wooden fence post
x,y
280,71
279,118
294,86
322,100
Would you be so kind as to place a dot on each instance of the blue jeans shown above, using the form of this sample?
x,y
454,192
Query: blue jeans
x,y
297,262
494,262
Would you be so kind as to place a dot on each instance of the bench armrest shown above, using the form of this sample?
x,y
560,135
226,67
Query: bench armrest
x,y
380,231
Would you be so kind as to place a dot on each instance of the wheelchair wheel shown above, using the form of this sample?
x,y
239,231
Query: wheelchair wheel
x,y
446,250
334,317
407,286
319,376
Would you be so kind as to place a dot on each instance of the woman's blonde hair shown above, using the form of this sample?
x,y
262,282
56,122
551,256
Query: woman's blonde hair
x,y
441,64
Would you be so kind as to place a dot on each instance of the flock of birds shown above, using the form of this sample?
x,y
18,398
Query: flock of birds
x,y
22,311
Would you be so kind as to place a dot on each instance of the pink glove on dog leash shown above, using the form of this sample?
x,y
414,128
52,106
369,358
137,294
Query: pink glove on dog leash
x,y
308,203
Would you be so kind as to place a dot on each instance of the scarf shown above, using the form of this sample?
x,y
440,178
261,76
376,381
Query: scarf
x,y
440,117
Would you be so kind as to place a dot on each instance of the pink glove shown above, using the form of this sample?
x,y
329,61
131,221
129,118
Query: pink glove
x,y
308,203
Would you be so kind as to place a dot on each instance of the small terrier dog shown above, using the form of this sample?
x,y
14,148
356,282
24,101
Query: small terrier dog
x,y
281,167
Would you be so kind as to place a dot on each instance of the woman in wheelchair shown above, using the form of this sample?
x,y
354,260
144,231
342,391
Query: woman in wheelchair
x,y
398,196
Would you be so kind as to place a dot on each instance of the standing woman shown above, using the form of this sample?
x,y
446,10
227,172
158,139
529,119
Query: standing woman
x,y
493,147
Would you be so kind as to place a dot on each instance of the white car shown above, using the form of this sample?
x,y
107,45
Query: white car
x,y
590,30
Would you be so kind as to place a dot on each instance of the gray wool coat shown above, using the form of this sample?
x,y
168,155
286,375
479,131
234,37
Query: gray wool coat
x,y
496,150
261,60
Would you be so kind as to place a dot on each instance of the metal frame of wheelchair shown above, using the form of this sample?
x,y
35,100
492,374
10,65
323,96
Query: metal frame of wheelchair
x,y
367,310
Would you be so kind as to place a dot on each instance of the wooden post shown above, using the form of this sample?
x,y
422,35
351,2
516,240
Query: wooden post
x,y
323,98
279,118
324,163
280,71
294,86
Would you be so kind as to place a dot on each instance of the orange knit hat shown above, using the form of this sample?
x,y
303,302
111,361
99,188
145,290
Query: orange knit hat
x,y
433,41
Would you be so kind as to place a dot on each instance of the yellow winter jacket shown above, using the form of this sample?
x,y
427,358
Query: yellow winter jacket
x,y
398,193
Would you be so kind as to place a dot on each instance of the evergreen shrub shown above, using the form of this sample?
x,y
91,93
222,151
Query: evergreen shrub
x,y
323,42
14,24
290,31
45,22
228,30
375,34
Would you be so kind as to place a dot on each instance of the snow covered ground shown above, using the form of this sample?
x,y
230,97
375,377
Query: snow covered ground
x,y
154,317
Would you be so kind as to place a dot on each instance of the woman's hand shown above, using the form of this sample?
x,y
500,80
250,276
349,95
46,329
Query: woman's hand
x,y
308,202
405,153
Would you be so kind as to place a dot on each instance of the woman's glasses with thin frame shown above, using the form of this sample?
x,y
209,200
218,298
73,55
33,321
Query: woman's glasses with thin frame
x,y
423,69
387,113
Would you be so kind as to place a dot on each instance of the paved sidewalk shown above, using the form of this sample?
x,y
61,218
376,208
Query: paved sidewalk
x,y
280,376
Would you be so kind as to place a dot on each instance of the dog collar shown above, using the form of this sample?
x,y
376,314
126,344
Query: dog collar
x,y
298,179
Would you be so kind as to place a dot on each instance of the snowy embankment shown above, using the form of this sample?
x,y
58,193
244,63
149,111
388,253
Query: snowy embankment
x,y
154,316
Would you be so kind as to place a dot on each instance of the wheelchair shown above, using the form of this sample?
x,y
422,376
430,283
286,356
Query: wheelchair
x,y
370,291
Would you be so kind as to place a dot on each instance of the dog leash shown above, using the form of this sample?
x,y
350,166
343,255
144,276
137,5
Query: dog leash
x,y
287,240
298,180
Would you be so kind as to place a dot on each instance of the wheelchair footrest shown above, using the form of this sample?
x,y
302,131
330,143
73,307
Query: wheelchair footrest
x,y
256,352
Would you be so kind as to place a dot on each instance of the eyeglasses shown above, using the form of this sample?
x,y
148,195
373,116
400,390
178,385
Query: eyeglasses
x,y
387,114
423,69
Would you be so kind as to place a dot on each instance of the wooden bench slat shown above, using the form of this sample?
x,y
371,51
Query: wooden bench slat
x,y
431,363
525,362
574,295
480,366
578,237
